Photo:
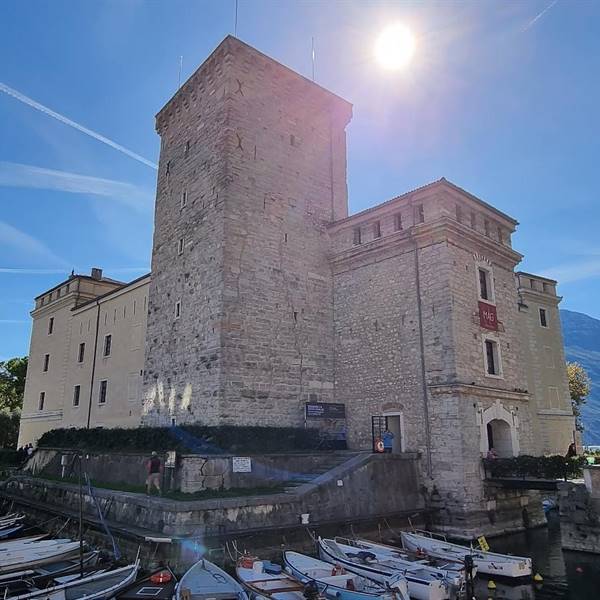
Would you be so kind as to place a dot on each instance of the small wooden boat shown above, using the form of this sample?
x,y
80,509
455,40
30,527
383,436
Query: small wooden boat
x,y
266,580
487,563
22,540
205,581
19,543
336,583
99,585
159,585
424,583
22,558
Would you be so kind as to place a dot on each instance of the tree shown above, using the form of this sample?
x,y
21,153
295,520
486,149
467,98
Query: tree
x,y
12,383
579,388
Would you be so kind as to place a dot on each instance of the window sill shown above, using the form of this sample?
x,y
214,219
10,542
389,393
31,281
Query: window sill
x,y
491,376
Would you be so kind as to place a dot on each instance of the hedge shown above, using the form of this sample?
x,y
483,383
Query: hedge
x,y
9,458
197,439
538,467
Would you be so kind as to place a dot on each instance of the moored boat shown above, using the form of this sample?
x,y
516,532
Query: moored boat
x,y
159,585
336,583
205,581
22,558
264,579
487,563
6,532
423,582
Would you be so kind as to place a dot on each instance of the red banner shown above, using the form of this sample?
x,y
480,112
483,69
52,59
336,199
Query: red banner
x,y
487,316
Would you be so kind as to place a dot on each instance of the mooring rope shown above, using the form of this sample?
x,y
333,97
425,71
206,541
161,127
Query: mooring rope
x,y
116,550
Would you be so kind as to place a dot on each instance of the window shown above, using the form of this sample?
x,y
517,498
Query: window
x,y
183,198
554,398
377,229
187,148
180,246
458,213
543,317
81,353
102,395
107,344
500,235
46,362
168,167
419,214
357,236
398,222
486,227
492,357
485,284
76,394
50,325
177,309
473,221
41,400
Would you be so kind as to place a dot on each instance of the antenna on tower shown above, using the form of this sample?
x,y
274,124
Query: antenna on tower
x,y
235,21
312,55
180,69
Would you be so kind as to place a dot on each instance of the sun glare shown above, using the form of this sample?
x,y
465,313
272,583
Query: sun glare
x,y
395,47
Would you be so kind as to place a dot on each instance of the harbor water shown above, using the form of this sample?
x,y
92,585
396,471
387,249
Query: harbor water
x,y
567,575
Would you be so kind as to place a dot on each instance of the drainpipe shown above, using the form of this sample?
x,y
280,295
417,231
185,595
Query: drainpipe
x,y
422,347
93,364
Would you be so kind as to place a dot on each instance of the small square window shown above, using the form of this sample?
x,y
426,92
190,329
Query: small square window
x,y
46,362
473,221
168,167
177,309
492,358
543,317
500,235
187,148
102,394
50,325
183,198
42,400
357,236
377,229
458,213
419,213
107,345
486,227
180,246
398,222
81,353
76,394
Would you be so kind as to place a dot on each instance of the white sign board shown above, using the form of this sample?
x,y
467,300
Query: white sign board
x,y
241,464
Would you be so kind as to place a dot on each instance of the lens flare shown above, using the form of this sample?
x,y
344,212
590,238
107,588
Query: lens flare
x,y
395,47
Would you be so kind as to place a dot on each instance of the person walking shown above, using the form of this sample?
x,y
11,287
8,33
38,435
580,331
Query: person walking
x,y
154,468
388,441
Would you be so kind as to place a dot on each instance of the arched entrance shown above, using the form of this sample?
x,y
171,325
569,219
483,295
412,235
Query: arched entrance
x,y
499,438
499,430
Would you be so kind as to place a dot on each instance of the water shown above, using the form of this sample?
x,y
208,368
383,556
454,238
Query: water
x,y
567,575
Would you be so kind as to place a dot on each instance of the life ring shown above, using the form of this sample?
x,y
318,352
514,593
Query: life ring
x,y
379,447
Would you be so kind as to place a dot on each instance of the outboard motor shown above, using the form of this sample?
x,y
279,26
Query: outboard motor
x,y
311,590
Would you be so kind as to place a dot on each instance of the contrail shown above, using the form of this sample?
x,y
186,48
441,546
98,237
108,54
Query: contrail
x,y
47,111
539,16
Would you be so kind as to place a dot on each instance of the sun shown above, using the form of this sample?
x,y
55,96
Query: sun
x,y
395,47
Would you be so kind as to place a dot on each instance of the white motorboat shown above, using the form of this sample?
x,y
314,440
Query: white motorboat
x,y
22,558
335,582
487,563
424,582
264,580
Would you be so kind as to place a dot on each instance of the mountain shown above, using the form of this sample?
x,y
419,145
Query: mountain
x,y
582,344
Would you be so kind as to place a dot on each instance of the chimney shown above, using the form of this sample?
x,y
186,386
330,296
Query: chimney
x,y
96,273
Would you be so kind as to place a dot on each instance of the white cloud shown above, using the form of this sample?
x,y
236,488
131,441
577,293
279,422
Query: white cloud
x,y
29,176
27,245
574,271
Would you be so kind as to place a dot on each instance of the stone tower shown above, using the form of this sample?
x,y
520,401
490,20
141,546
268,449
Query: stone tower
x,y
252,169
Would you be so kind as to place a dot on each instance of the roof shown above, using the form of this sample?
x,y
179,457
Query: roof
x,y
230,39
525,274
432,185
77,276
119,289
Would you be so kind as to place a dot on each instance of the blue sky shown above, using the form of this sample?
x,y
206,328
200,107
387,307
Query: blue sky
x,y
501,98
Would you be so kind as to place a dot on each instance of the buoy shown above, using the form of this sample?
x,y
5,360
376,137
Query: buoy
x,y
537,577
579,570
491,585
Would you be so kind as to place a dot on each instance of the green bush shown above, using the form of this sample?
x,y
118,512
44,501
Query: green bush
x,y
9,428
197,439
538,467
9,458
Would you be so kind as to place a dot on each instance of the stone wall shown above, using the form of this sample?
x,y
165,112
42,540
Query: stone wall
x,y
193,473
579,517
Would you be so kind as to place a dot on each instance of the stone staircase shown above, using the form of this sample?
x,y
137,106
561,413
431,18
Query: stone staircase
x,y
335,460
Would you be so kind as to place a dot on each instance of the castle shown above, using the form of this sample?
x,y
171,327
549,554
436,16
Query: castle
x,y
265,296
